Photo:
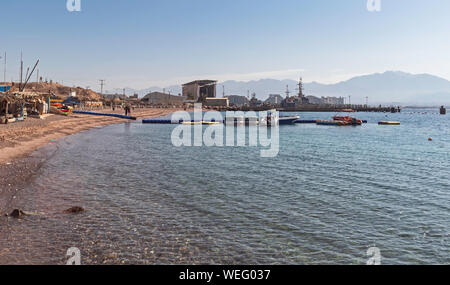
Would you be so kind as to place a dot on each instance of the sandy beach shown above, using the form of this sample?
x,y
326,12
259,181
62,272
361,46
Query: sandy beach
x,y
19,140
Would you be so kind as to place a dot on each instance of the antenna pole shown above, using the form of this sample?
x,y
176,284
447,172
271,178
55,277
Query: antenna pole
x,y
25,84
21,68
4,71
102,83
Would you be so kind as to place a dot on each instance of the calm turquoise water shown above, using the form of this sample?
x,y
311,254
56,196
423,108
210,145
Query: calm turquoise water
x,y
330,194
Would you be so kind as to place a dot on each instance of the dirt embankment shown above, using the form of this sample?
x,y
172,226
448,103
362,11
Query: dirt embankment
x,y
60,90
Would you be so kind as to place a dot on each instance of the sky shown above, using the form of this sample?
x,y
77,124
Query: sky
x,y
146,43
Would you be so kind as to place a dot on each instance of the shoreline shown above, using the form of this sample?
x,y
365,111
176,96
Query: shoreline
x,y
19,141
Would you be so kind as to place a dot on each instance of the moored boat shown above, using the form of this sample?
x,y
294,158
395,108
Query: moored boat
x,y
348,120
288,120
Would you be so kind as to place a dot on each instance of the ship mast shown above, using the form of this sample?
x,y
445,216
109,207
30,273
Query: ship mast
x,y
300,88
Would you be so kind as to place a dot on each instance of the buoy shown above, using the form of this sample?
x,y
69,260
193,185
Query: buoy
x,y
430,139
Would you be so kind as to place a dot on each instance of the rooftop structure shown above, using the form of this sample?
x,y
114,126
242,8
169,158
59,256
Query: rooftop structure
x,y
199,90
237,100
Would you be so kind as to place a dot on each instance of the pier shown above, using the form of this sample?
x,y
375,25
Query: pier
x,y
327,108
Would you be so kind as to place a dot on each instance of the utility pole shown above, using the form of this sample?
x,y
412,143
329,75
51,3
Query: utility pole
x,y
350,100
124,92
102,83
21,68
4,70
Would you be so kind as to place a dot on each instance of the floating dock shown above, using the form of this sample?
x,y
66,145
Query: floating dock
x,y
305,121
105,115
330,123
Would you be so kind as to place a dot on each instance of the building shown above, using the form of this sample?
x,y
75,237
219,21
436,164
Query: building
x,y
274,99
333,100
160,99
199,90
217,102
72,101
314,100
111,97
237,100
326,100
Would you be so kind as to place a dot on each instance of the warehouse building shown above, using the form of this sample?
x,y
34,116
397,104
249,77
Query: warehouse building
x,y
162,99
199,90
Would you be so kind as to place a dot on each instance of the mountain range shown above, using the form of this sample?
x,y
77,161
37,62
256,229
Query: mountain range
x,y
390,87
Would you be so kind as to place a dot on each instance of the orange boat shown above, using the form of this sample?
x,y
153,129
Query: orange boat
x,y
349,120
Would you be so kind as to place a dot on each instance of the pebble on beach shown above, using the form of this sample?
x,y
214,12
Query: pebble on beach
x,y
74,210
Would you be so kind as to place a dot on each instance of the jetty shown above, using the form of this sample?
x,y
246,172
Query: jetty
x,y
325,108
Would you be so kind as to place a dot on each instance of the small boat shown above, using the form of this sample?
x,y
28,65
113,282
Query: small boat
x,y
288,120
349,120
390,123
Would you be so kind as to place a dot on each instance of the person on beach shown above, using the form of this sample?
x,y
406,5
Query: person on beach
x,y
127,110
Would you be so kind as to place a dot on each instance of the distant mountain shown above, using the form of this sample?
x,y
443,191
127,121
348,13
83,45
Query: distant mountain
x,y
175,90
390,87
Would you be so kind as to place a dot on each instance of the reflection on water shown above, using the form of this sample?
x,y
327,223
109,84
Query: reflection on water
x,y
329,195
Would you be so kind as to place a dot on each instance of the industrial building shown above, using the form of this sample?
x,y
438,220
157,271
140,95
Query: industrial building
x,y
199,90
237,100
274,99
163,99
217,102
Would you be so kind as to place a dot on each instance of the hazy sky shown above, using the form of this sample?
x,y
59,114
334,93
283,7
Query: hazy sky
x,y
144,43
